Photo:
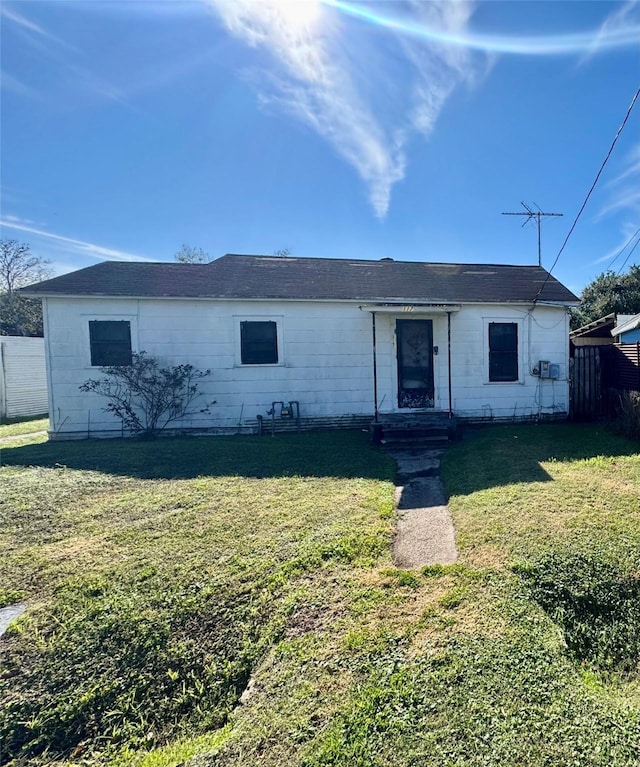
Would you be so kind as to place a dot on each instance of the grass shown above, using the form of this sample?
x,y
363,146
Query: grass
x,y
232,601
15,428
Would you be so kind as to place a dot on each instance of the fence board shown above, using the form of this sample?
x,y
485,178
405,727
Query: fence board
x,y
586,383
628,366
594,370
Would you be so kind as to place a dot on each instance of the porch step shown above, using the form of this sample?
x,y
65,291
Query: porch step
x,y
416,442
415,430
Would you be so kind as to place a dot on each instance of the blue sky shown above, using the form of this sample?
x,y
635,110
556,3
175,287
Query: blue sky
x,y
333,129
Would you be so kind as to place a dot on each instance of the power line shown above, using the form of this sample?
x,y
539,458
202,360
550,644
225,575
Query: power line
x,y
624,247
628,257
586,199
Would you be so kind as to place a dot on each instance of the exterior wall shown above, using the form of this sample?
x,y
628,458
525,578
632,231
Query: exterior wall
x,y
630,337
542,335
325,359
23,382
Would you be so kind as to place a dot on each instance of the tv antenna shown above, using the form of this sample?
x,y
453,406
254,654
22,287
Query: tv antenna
x,y
538,215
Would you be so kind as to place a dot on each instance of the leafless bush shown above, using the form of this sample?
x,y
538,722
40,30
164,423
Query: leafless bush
x,y
628,414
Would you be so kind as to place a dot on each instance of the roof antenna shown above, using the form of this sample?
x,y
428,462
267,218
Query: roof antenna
x,y
538,215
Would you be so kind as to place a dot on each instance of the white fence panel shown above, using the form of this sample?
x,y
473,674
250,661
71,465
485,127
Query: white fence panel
x,y
23,378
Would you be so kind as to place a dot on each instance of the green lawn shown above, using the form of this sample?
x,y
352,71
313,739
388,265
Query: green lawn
x,y
28,426
165,578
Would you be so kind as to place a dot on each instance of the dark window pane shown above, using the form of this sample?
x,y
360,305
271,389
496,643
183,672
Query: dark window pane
x,y
110,342
259,343
503,351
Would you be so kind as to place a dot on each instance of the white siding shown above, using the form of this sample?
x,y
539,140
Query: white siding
x,y
325,359
23,381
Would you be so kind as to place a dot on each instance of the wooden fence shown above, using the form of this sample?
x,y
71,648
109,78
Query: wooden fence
x,y
595,370
625,367
585,383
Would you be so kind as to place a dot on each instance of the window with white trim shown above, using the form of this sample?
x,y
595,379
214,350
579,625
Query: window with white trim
x,y
503,351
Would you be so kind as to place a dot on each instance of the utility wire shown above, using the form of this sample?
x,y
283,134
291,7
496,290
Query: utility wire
x,y
628,257
586,199
624,247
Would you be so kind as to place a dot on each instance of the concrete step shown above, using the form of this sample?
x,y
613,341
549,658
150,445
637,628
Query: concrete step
x,y
415,433
415,442
421,430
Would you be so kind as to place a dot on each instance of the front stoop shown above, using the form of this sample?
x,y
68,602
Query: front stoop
x,y
419,430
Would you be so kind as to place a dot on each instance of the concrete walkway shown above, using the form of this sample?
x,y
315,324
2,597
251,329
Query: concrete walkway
x,y
424,530
14,437
8,614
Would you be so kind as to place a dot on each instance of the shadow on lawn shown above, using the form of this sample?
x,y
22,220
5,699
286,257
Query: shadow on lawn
x,y
345,454
504,455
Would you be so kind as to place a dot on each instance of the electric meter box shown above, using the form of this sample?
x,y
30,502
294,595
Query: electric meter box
x,y
546,369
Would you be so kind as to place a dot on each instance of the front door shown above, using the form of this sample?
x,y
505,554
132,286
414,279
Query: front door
x,y
415,363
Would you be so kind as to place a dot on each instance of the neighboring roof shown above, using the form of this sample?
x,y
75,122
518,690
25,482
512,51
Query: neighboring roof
x,y
597,329
627,323
286,277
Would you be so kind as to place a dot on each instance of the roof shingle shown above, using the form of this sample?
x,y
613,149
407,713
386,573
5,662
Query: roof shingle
x,y
290,278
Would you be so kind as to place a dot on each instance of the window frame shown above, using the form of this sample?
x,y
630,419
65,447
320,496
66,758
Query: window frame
x,y
238,321
97,345
132,319
520,345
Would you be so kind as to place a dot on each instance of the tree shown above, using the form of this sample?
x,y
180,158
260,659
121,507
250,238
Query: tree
x,y
147,397
190,255
609,293
20,316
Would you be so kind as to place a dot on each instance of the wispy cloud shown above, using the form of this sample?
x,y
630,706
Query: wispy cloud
x,y
348,98
619,25
26,24
623,191
622,200
10,83
59,54
628,233
79,247
35,35
9,219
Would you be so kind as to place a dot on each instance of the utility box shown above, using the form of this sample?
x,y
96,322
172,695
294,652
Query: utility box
x,y
543,369
546,369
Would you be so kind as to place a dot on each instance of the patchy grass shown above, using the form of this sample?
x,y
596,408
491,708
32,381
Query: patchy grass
x,y
166,579
516,492
16,427
152,599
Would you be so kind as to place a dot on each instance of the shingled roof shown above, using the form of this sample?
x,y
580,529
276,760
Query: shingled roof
x,y
289,278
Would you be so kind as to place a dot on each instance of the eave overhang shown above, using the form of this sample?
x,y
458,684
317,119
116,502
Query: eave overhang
x,y
411,308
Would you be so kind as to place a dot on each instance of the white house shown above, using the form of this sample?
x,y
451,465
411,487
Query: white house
x,y
346,339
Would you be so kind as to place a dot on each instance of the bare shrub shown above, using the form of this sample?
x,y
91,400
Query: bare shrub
x,y
628,414
147,397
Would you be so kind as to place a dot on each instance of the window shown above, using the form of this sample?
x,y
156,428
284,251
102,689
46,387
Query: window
x,y
503,351
258,343
110,342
